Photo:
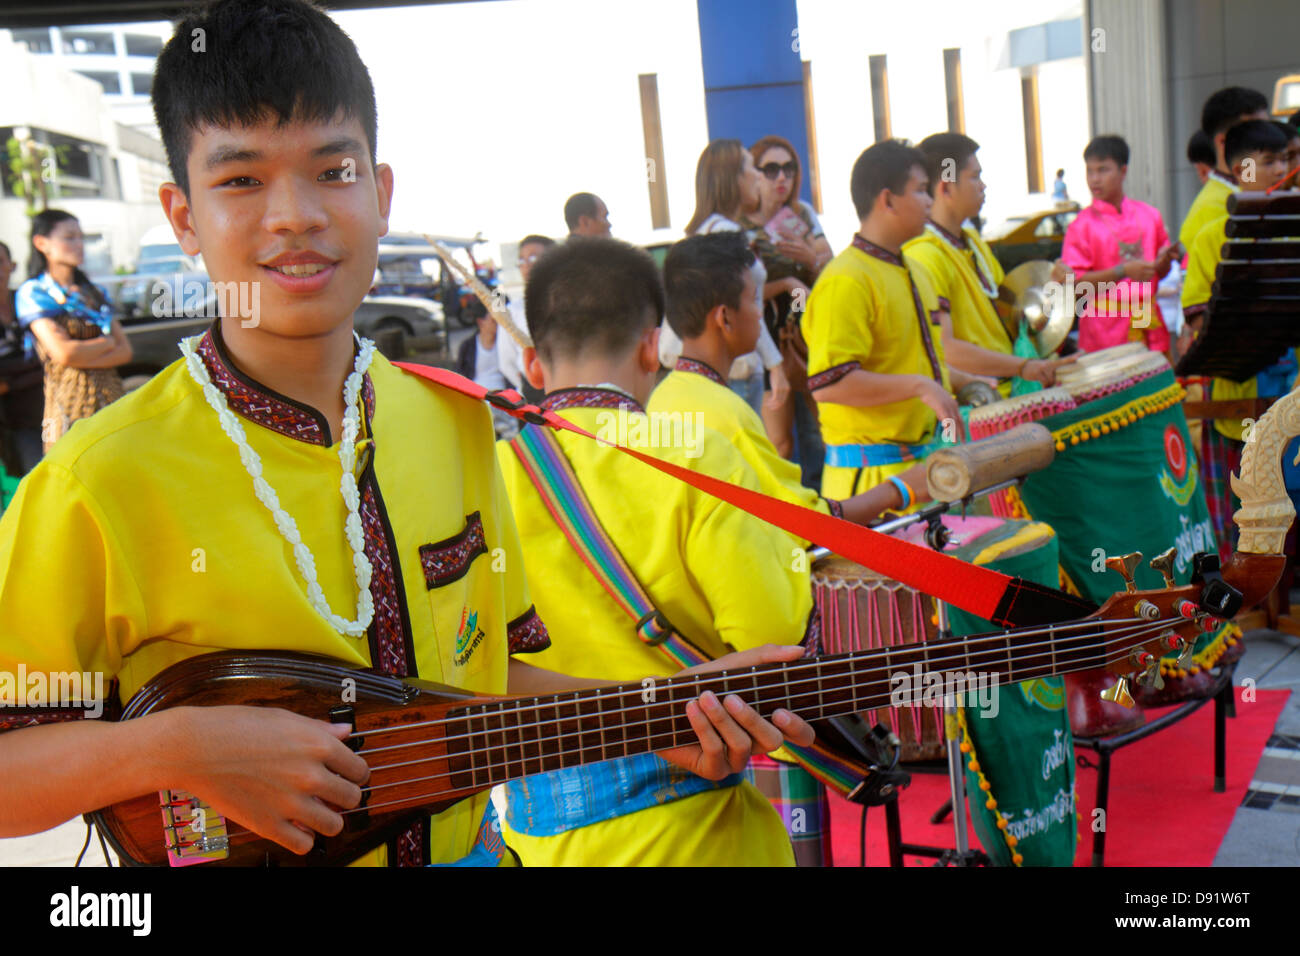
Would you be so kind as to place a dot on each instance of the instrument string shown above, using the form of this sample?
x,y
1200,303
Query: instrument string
x,y
1130,629
871,702
857,660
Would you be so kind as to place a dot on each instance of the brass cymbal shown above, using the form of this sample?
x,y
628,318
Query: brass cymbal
x,y
1046,315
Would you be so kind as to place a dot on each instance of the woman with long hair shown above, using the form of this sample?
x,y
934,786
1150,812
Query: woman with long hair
x,y
790,241
77,339
726,189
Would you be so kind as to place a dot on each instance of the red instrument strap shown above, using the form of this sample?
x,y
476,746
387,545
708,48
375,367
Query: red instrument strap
x,y
980,591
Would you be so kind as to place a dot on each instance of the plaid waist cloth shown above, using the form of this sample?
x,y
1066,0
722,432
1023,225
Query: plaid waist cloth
x,y
801,801
1220,457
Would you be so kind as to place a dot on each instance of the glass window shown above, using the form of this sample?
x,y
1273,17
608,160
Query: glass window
x,y
142,83
38,41
138,44
111,82
88,41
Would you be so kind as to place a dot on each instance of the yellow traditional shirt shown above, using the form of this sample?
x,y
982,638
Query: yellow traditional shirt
x,y
724,579
869,310
138,542
1210,203
694,389
965,276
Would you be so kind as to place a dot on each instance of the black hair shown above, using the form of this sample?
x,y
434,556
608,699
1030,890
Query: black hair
x,y
535,240
1060,173
886,165
8,252
1252,136
1294,119
1289,130
1229,105
1108,146
592,296
238,62
577,206
1200,149
702,273
475,309
943,149
43,224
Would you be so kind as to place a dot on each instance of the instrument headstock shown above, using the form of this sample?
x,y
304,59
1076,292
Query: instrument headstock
x,y
1170,619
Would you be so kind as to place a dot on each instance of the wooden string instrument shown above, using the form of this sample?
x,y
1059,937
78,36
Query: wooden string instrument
x,y
429,746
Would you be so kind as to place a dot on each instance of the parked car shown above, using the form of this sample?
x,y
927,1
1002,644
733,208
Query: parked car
x,y
1039,234
1286,96
400,321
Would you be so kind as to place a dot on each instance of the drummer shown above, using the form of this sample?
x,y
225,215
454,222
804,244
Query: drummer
x,y
875,360
963,271
714,297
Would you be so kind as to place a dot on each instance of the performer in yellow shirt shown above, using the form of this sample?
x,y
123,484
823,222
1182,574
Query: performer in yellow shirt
x,y
714,306
1224,109
724,579
202,512
875,364
963,271
1256,153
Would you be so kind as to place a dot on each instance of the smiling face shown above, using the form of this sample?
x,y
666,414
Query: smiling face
x,y
297,209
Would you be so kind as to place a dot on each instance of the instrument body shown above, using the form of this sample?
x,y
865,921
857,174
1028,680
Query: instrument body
x,y
442,745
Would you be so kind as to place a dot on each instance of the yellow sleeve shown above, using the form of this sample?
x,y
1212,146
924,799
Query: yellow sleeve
x,y
765,598
68,599
928,260
838,323
1202,260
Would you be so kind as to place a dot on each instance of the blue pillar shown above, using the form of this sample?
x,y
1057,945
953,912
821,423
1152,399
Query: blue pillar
x,y
753,75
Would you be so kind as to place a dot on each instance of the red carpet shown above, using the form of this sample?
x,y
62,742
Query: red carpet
x,y
1163,809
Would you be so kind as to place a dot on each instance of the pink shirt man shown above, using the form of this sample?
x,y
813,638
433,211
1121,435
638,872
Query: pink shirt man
x,y
1101,237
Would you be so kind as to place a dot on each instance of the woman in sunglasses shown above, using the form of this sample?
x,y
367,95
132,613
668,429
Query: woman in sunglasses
x,y
790,241
726,191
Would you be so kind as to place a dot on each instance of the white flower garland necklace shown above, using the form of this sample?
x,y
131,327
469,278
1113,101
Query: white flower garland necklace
x,y
984,272
288,528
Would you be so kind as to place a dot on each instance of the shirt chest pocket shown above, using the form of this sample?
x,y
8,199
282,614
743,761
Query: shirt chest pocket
x,y
457,599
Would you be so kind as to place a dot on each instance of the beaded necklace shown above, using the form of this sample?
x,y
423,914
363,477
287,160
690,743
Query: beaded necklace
x,y
284,522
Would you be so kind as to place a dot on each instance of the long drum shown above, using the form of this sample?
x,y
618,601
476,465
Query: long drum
x,y
861,609
1123,480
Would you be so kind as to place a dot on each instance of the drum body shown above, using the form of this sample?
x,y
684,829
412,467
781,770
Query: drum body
x,y
1125,479
861,610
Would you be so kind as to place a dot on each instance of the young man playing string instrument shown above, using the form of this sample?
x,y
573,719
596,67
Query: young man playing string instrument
x,y
875,362
962,270
714,306
164,528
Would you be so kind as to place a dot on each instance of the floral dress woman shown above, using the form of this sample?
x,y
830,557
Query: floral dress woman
x,y
70,393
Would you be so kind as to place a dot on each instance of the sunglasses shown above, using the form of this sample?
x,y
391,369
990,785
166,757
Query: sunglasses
x,y
772,170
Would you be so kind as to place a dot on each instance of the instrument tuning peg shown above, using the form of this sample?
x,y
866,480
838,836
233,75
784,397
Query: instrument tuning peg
x,y
1164,563
1124,565
1119,694
1151,677
1185,655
